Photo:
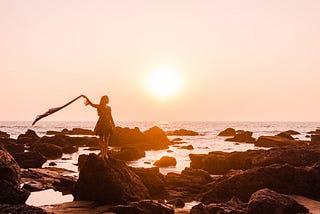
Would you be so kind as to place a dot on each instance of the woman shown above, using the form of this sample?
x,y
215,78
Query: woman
x,y
105,124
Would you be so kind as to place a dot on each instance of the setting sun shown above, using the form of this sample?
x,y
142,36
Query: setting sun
x,y
164,82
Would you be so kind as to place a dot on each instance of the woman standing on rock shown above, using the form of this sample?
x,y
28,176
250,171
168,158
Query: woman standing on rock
x,y
105,124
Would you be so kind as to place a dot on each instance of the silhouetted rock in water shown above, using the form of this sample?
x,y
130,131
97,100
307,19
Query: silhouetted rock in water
x,y
4,134
52,164
108,181
182,132
177,202
222,162
187,184
278,141
49,151
20,208
228,132
48,178
285,135
315,140
11,145
189,147
291,132
69,149
82,160
234,206
266,201
285,179
143,207
169,151
10,191
166,161
28,138
129,154
67,141
316,132
154,138
30,159
153,180
244,137
74,131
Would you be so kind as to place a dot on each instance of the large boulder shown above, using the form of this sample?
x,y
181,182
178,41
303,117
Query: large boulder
x,y
277,141
11,145
30,159
66,141
166,161
285,179
143,207
267,201
48,150
129,154
10,191
229,132
4,134
242,137
182,132
108,181
315,139
28,138
21,209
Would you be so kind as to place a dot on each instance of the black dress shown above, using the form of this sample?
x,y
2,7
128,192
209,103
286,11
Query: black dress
x,y
104,124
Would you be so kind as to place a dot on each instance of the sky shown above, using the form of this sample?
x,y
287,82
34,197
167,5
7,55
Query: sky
x,y
249,60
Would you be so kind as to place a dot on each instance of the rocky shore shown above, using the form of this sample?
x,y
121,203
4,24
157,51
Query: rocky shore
x,y
253,181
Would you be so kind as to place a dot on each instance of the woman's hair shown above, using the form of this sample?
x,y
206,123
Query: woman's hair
x,y
104,97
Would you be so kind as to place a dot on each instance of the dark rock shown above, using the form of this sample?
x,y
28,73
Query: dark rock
x,y
108,181
69,149
49,151
52,164
315,140
228,132
166,161
169,151
285,135
182,132
29,138
143,207
316,132
147,162
291,132
244,137
267,201
82,160
74,131
11,145
48,178
4,134
189,147
285,179
177,202
129,154
277,141
32,159
67,141
10,191
20,208
308,136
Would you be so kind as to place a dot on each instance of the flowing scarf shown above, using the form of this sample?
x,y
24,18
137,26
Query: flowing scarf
x,y
53,110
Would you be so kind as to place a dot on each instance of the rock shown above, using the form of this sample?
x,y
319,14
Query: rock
x,y
82,160
29,138
4,134
199,209
228,132
11,145
177,202
32,159
316,132
129,154
108,181
169,151
52,164
315,140
285,135
49,178
49,151
182,132
244,137
20,208
74,131
267,201
277,141
291,132
10,191
189,147
285,179
69,142
69,149
166,161
144,206
157,136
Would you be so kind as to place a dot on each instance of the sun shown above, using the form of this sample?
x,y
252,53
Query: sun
x,y
164,83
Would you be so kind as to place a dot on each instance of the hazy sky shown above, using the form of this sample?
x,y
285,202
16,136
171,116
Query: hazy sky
x,y
238,60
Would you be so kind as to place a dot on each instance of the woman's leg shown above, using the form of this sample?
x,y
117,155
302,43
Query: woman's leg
x,y
101,143
106,144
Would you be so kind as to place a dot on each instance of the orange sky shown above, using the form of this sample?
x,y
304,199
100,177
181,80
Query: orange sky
x,y
239,60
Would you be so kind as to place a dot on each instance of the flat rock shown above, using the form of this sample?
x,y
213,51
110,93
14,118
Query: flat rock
x,y
74,131
277,141
182,132
20,208
144,206
32,159
243,137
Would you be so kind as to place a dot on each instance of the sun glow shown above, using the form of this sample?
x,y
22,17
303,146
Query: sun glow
x,y
164,83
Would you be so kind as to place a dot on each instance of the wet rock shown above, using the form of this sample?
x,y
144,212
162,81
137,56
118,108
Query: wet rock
x,y
153,180
166,161
129,154
52,164
188,147
291,132
244,137
277,141
315,140
68,142
228,132
285,179
177,202
69,149
32,159
81,160
4,134
10,191
169,151
316,132
74,131
21,209
48,178
11,145
267,201
285,135
108,181
49,151
28,138
143,207
182,132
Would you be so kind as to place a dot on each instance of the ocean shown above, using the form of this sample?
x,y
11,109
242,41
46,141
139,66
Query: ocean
x,y
207,141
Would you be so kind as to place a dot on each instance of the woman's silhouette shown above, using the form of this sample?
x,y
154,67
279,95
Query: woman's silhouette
x,y
105,124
